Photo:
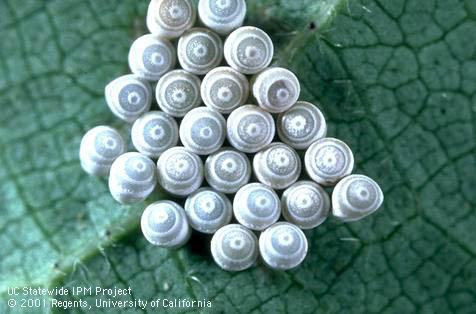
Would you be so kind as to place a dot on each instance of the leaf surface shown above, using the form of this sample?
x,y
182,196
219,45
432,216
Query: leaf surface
x,y
396,80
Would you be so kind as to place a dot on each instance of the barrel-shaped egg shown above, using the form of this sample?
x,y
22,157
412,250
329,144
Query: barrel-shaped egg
x,y
164,224
227,170
256,206
222,16
305,204
208,210
276,89
248,50
180,172
153,133
250,128
132,178
170,18
199,50
128,97
355,197
283,246
278,166
234,247
224,89
301,125
99,147
203,131
328,160
151,56
178,92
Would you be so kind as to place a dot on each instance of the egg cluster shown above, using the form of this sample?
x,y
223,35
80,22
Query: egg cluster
x,y
244,176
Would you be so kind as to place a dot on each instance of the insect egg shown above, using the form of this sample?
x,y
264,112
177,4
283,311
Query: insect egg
x,y
99,147
132,178
328,160
234,247
150,57
256,206
278,166
224,89
222,16
164,224
250,128
153,133
202,131
301,125
283,246
208,210
248,50
355,197
227,170
170,18
199,50
305,204
128,97
276,89
178,92
180,171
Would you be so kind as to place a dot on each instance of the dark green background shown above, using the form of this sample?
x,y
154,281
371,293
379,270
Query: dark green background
x,y
396,80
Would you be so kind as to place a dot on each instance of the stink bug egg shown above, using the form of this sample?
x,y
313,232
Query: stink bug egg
x,y
283,246
278,166
153,133
128,97
227,170
301,125
170,18
150,57
256,206
199,50
250,129
133,177
248,50
180,171
234,247
178,92
164,224
224,89
99,148
305,204
208,210
276,89
202,131
222,16
355,197
328,160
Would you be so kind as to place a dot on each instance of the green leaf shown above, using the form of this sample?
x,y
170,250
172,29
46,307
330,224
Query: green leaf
x,y
396,80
